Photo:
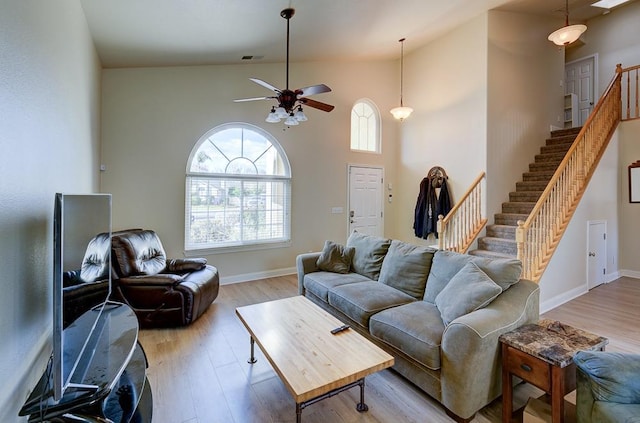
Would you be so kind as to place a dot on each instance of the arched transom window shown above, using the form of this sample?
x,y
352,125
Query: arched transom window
x,y
365,126
238,190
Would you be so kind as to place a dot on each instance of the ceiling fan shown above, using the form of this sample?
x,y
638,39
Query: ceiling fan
x,y
288,100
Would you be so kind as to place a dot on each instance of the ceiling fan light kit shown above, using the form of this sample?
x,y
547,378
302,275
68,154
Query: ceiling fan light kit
x,y
402,112
568,33
290,102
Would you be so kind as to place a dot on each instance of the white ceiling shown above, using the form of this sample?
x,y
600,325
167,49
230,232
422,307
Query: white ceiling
x,y
130,33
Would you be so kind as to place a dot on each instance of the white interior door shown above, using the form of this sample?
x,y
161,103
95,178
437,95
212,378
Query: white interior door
x,y
580,80
365,200
596,253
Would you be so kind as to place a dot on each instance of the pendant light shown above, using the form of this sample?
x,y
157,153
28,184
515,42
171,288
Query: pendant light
x,y
402,112
568,33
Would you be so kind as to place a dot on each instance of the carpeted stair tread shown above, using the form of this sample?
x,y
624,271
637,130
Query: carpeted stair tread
x,y
510,219
569,139
550,157
490,254
556,148
538,167
527,186
498,245
568,131
523,207
525,195
542,175
502,231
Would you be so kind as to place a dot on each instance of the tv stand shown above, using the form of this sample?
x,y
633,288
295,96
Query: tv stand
x,y
107,365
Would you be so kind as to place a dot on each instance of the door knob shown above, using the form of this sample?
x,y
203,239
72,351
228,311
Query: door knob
x,y
592,254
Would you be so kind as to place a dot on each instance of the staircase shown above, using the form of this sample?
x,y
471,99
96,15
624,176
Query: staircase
x,y
500,239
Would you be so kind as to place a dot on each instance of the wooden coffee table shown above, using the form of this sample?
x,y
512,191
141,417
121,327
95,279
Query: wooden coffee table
x,y
295,336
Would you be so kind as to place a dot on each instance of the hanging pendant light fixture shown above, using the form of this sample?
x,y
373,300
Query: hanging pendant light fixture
x,y
402,112
568,33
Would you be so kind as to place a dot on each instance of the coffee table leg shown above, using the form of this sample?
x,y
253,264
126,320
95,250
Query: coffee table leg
x,y
252,359
298,413
362,407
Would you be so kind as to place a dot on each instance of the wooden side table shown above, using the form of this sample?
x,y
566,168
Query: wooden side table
x,y
542,354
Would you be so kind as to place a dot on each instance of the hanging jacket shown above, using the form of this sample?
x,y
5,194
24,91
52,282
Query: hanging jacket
x,y
429,206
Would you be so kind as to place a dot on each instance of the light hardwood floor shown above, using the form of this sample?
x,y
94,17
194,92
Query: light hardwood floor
x,y
200,374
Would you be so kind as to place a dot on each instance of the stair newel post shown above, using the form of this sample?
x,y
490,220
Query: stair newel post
x,y
440,228
520,235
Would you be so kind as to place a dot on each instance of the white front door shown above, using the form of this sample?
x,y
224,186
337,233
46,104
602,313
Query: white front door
x,y
596,253
580,80
365,200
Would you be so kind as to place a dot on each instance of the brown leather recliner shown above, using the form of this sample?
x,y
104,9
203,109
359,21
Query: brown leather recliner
x,y
161,292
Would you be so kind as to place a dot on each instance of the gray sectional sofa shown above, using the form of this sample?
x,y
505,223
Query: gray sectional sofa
x,y
438,313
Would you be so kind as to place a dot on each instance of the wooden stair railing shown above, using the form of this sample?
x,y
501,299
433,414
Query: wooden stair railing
x,y
630,93
538,237
461,226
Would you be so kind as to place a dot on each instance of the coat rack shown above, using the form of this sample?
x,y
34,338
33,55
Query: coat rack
x,y
437,175
433,201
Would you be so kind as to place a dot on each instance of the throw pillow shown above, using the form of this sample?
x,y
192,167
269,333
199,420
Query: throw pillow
x,y
369,254
335,258
469,290
504,272
406,267
613,377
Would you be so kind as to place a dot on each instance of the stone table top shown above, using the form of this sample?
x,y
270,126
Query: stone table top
x,y
552,341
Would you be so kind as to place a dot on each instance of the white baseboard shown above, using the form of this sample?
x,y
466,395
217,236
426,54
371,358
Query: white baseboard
x,y
630,273
563,298
246,277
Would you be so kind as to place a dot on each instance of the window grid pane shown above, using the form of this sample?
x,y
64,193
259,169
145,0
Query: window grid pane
x,y
365,127
231,212
238,192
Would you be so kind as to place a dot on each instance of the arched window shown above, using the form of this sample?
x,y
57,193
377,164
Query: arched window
x,y
238,190
365,126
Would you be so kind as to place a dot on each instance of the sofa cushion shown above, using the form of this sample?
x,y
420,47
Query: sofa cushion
x,y
613,377
369,254
416,329
335,258
360,300
319,283
406,267
504,272
470,289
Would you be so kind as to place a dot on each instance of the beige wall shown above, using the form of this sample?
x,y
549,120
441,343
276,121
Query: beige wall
x,y
49,127
152,118
524,98
613,39
629,240
445,82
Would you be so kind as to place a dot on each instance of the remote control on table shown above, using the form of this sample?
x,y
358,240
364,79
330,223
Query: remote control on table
x,y
339,329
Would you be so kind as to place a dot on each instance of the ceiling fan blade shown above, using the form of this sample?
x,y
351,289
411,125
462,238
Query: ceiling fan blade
x,y
240,100
316,104
313,89
266,85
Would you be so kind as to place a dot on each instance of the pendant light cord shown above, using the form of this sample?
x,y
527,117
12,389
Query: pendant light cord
x,y
401,68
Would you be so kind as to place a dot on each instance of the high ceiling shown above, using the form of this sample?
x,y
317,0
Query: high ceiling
x,y
192,32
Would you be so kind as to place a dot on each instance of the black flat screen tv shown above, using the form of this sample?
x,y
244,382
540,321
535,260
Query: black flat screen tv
x,y
81,275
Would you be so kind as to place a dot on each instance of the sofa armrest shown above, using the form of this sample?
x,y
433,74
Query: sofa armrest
x,y
306,263
471,368
161,280
185,265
